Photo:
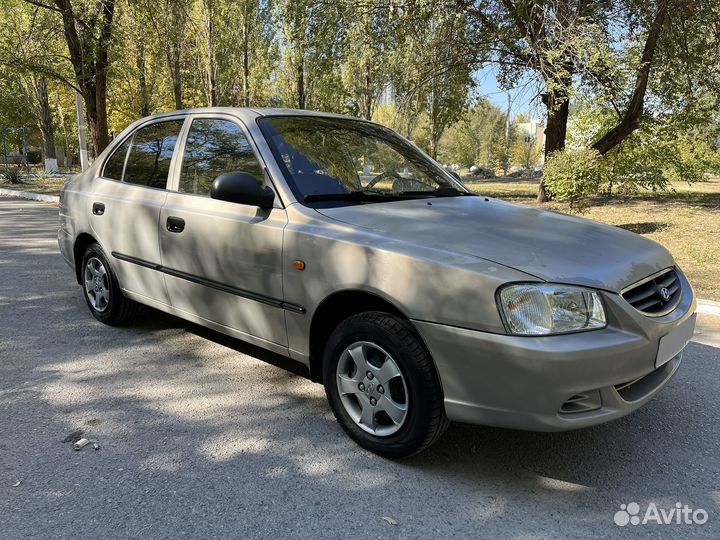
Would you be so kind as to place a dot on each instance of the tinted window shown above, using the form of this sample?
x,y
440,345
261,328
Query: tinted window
x,y
152,149
114,165
215,147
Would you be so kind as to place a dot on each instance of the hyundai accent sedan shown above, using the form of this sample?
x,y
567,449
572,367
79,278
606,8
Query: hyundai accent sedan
x,y
339,244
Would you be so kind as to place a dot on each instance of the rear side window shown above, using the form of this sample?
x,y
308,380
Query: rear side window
x,y
215,147
114,165
151,153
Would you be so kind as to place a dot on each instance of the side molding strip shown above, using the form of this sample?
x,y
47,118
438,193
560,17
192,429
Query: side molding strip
x,y
268,300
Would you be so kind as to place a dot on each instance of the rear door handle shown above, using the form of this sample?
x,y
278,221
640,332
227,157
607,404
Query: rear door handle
x,y
98,208
175,224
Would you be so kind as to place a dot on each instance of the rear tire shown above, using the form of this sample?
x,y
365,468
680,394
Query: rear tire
x,y
382,385
101,289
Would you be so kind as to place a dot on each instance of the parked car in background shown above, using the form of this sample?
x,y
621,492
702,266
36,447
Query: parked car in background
x,y
337,243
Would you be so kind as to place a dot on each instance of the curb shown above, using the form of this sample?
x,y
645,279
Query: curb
x,y
708,307
30,196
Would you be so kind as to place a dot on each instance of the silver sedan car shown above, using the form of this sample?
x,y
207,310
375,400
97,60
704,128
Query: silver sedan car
x,y
339,244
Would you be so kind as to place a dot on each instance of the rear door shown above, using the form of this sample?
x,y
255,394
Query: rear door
x,y
222,260
126,203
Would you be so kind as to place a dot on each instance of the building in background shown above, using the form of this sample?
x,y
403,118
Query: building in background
x,y
533,133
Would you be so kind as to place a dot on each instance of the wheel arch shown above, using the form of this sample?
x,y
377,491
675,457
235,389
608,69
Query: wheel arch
x,y
341,305
81,244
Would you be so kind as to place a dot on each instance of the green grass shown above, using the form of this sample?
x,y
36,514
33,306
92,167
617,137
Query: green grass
x,y
50,186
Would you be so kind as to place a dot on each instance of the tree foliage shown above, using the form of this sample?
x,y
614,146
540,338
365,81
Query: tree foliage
x,y
635,80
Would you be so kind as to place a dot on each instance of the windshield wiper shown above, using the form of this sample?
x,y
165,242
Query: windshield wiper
x,y
370,195
359,196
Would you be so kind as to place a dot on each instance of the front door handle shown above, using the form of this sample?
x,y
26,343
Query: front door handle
x,y
98,208
175,224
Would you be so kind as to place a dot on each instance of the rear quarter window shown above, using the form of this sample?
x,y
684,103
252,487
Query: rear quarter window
x,y
115,164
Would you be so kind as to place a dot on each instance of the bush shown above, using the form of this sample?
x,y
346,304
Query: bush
x,y
34,156
649,159
573,174
42,175
11,174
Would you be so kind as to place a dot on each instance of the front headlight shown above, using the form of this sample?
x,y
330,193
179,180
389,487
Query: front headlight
x,y
536,309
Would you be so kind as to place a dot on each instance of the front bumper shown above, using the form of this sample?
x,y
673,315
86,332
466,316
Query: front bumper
x,y
527,382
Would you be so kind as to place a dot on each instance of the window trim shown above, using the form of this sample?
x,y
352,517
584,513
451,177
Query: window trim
x,y
174,176
131,137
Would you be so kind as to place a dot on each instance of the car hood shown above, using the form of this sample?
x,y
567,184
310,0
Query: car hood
x,y
550,246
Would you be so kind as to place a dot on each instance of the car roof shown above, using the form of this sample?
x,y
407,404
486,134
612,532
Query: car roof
x,y
299,112
248,112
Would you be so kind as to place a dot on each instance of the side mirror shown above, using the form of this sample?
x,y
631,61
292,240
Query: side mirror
x,y
243,188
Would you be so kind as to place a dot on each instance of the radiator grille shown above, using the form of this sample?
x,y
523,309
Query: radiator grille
x,y
657,295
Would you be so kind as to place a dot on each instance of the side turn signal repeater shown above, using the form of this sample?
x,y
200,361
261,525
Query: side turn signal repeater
x,y
299,265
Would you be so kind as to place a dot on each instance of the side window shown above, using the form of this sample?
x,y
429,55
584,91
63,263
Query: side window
x,y
114,165
150,154
215,147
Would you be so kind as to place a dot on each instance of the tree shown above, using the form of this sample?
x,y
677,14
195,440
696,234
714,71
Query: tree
x,y
311,75
369,42
630,120
169,20
88,32
469,141
433,76
235,51
24,35
559,42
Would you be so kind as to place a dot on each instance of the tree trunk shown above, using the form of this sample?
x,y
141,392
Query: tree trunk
x,y
246,55
301,83
211,75
92,119
434,143
142,80
45,123
89,58
246,75
367,97
558,110
631,119
177,77
100,135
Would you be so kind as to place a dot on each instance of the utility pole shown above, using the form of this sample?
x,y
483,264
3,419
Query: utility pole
x,y
82,132
506,161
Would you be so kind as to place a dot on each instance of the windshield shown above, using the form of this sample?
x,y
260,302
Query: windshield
x,y
340,161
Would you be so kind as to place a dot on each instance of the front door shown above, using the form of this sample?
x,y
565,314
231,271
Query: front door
x,y
222,260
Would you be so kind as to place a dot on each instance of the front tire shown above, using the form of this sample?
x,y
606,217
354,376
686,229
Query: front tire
x,y
102,291
382,385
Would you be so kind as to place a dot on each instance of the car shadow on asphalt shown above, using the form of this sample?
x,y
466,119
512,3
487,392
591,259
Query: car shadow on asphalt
x,y
639,450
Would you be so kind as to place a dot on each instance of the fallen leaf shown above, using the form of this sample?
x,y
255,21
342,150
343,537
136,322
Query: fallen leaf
x,y
17,484
389,520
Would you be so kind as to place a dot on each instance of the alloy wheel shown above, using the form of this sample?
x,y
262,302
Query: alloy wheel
x,y
372,388
97,284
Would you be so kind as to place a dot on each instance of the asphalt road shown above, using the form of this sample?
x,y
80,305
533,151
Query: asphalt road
x,y
209,438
